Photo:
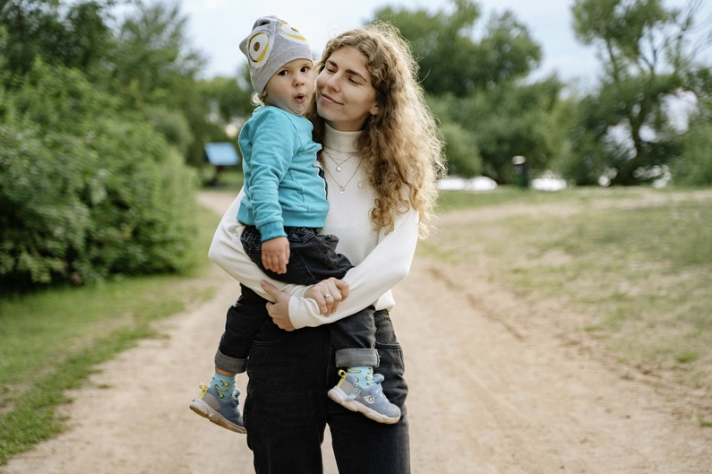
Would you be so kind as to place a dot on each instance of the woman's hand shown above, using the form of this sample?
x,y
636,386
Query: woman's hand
x,y
278,311
328,294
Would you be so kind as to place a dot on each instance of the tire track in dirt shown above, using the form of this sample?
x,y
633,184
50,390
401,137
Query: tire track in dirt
x,y
536,403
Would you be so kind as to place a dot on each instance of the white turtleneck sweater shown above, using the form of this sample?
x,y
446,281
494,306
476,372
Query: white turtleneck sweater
x,y
381,259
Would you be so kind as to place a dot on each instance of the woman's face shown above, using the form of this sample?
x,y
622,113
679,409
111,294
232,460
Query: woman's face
x,y
344,95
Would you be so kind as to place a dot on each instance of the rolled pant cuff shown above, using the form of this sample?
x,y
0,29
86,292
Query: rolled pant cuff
x,y
357,357
231,364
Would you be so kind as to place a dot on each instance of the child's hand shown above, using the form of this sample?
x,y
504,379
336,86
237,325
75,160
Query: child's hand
x,y
275,254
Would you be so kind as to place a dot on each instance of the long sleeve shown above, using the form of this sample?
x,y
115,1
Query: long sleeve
x,y
367,280
283,183
387,264
227,252
266,162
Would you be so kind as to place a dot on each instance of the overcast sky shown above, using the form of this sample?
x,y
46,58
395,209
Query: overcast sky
x,y
216,27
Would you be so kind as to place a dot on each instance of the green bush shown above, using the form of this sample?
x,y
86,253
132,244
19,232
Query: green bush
x,y
583,159
694,167
42,217
172,125
88,191
463,156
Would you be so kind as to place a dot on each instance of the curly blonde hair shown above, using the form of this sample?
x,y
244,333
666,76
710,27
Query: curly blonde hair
x,y
400,147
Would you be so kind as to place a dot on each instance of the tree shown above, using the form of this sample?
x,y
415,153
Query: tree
x,y
229,104
228,98
73,35
694,166
89,190
463,156
646,60
475,86
450,59
507,121
144,60
152,62
92,123
153,69
506,52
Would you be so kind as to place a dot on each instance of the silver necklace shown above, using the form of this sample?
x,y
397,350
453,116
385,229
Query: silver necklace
x,y
342,187
338,163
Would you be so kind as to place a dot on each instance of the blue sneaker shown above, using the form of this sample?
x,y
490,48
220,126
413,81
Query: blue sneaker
x,y
369,401
219,409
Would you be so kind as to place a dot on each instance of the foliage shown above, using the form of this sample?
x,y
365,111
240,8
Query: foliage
x,y
89,191
507,121
441,44
475,87
507,51
143,59
229,102
150,63
588,156
172,124
624,125
152,68
98,116
463,156
694,166
451,61
228,98
72,34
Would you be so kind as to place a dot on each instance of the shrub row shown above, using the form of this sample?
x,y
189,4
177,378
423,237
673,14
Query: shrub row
x,y
87,190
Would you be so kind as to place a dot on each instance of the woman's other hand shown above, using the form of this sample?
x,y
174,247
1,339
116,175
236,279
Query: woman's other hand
x,y
328,294
279,310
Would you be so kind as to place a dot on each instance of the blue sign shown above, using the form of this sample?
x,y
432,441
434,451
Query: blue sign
x,y
221,154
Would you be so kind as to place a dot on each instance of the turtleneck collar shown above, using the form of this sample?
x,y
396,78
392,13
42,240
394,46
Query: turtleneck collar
x,y
343,142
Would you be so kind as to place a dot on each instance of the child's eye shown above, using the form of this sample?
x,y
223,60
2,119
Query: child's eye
x,y
282,73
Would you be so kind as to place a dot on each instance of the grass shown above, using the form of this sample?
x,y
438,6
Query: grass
x,y
230,180
52,341
635,263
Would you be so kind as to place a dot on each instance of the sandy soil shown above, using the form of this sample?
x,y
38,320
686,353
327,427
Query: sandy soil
x,y
496,387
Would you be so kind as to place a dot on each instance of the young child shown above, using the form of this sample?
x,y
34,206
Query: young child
x,y
283,208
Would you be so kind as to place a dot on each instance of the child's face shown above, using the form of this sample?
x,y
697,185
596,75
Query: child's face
x,y
292,87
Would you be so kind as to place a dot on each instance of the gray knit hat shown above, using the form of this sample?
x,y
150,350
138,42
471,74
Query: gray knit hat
x,y
272,44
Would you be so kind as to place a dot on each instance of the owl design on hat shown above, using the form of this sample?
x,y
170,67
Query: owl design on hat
x,y
272,43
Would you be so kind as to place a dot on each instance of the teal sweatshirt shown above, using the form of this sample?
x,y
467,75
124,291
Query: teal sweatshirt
x,y
284,182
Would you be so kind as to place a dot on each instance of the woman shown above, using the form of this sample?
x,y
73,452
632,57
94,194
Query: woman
x,y
381,156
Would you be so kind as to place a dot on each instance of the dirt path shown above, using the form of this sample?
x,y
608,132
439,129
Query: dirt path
x,y
496,387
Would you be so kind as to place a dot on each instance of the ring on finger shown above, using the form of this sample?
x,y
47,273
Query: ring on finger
x,y
328,295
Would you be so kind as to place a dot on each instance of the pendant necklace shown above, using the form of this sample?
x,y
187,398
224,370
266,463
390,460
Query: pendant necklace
x,y
342,187
338,163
